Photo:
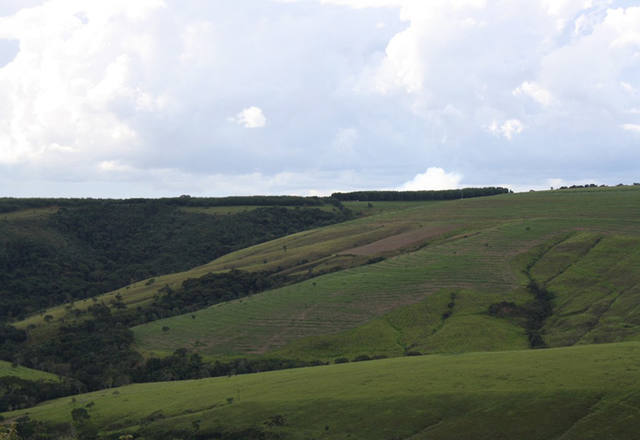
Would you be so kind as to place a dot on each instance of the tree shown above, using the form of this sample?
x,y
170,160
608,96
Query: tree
x,y
82,423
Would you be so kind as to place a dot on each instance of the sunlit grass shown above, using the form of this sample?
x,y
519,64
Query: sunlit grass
x,y
580,392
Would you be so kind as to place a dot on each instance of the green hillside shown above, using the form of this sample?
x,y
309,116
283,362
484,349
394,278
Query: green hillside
x,y
586,392
475,284
56,251
434,298
303,254
7,369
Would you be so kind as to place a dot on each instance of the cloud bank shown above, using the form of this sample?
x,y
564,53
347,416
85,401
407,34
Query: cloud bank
x,y
433,179
158,97
251,117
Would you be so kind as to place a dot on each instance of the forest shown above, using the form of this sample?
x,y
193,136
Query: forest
x,y
396,196
85,249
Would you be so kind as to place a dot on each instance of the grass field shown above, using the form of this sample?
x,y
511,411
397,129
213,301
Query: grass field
x,y
303,254
408,278
597,298
6,369
418,328
343,313
583,392
326,250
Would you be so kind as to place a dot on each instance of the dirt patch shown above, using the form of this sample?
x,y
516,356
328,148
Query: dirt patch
x,y
399,241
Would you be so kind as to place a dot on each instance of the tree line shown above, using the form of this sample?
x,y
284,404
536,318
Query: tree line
x,y
11,204
395,196
95,348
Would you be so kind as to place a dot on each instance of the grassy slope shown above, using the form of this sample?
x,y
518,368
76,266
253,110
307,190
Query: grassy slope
x,y
477,267
598,296
33,226
307,253
35,213
582,392
418,328
25,373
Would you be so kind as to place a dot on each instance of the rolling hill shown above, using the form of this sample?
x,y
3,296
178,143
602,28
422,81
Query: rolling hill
x,y
6,369
525,309
586,392
438,295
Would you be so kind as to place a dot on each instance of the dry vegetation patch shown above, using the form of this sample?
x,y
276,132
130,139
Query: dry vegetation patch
x,y
400,241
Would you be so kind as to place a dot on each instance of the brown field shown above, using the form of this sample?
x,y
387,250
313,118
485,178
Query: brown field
x,y
400,241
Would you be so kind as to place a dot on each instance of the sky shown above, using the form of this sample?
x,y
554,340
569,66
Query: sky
x,y
154,98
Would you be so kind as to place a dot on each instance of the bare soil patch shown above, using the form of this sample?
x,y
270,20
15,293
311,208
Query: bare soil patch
x,y
399,241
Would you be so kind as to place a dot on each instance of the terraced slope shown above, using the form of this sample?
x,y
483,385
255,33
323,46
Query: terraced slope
x,y
584,392
453,281
325,304
592,279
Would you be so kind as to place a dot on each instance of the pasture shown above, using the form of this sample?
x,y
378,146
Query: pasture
x,y
435,297
583,392
7,369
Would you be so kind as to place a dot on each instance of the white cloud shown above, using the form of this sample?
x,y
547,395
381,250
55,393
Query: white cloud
x,y
535,92
508,129
122,180
456,53
251,117
553,182
625,24
151,84
628,87
113,166
74,69
358,4
557,182
345,140
434,178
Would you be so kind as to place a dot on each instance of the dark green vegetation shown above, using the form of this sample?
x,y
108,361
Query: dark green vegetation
x,y
17,393
7,369
96,347
450,194
197,293
8,204
183,365
49,256
512,275
10,340
22,387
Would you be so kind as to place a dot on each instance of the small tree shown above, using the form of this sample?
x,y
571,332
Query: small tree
x,y
82,424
